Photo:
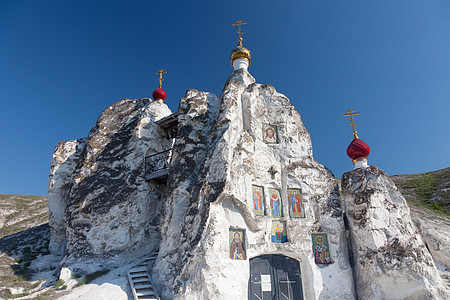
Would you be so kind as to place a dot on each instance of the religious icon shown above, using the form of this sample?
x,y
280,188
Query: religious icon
x,y
270,134
296,209
279,232
237,244
258,200
321,249
275,202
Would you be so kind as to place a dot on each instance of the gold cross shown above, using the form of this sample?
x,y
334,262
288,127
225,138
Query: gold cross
x,y
350,113
160,72
239,23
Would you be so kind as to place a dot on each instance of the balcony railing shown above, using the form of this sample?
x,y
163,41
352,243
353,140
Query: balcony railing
x,y
157,165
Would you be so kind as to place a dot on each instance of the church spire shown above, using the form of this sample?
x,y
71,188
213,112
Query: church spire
x,y
240,56
357,150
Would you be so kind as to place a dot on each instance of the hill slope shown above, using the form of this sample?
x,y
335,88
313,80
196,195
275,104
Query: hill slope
x,y
19,212
430,190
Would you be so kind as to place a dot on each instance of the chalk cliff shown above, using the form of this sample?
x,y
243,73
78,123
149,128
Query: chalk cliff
x,y
103,208
390,257
219,154
100,204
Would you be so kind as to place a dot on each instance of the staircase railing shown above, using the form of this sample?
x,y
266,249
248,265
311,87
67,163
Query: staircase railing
x,y
158,161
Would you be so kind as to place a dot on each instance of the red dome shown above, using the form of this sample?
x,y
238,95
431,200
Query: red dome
x,y
358,149
159,94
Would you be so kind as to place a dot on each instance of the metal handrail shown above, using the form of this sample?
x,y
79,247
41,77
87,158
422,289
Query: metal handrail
x,y
158,161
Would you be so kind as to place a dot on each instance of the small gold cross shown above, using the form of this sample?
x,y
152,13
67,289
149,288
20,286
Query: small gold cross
x,y
239,23
160,72
350,113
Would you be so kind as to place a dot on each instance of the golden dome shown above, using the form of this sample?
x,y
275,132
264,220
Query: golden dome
x,y
240,51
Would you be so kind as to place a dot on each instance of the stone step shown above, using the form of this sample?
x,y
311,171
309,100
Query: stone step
x,y
138,274
140,280
143,286
149,297
149,292
138,270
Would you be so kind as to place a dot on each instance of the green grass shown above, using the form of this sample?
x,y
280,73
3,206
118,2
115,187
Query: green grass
x,y
59,284
425,186
80,283
6,294
426,190
44,296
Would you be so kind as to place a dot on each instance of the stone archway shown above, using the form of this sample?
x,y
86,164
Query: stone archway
x,y
274,276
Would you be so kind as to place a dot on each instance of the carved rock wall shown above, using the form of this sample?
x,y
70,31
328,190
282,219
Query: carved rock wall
x,y
391,260
110,209
223,152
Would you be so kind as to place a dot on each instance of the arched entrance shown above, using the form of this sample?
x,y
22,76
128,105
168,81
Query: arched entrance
x,y
274,276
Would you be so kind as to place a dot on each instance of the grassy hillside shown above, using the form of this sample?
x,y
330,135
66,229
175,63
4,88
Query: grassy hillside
x,y
23,238
430,190
18,212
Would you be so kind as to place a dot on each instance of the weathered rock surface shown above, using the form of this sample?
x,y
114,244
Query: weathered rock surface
x,y
104,214
390,257
434,229
62,167
97,185
218,155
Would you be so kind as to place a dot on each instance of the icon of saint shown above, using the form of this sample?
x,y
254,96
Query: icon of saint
x,y
270,135
296,205
275,203
236,247
321,252
257,199
278,233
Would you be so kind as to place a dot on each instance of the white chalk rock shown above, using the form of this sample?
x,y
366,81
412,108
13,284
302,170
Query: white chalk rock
x,y
390,257
64,161
108,207
219,154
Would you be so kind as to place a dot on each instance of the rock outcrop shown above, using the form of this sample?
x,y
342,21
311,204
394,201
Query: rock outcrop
x,y
219,154
104,206
391,260
63,164
434,229
97,185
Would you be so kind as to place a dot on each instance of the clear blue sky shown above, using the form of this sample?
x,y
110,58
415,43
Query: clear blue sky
x,y
63,62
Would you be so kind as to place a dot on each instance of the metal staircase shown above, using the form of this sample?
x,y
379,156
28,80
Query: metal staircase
x,y
140,280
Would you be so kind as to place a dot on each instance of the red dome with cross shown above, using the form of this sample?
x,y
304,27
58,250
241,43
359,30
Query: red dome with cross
x,y
159,93
357,150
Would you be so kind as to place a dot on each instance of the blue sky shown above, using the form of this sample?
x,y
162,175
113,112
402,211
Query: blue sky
x,y
63,62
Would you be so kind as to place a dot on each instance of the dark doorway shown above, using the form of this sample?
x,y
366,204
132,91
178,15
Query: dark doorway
x,y
274,277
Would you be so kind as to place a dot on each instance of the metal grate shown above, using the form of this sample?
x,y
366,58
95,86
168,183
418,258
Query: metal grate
x,y
158,161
